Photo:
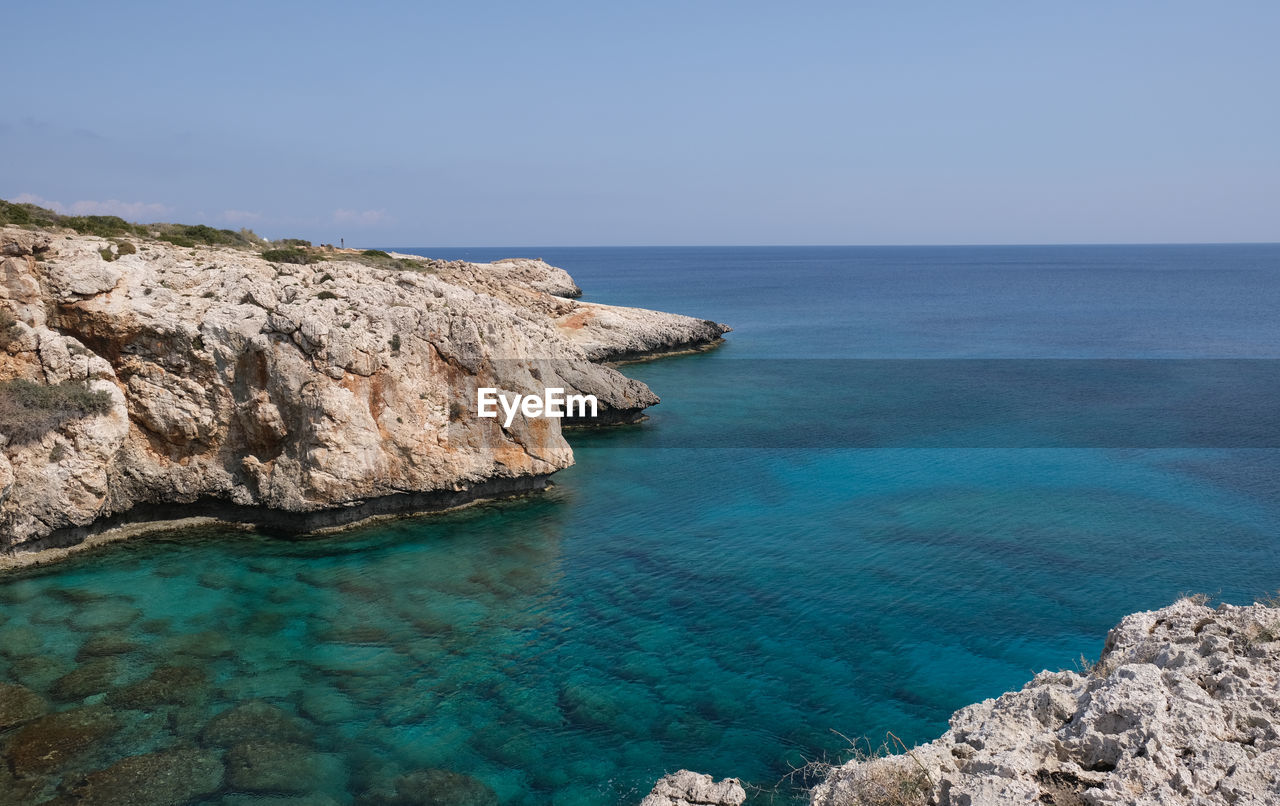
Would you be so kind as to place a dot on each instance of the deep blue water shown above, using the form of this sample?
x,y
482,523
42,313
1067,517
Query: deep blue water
x,y
790,547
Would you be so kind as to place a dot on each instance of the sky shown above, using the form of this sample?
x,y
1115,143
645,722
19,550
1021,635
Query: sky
x,y
657,123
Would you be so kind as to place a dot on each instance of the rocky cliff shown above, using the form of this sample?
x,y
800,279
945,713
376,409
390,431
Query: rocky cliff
x,y
169,381
1182,708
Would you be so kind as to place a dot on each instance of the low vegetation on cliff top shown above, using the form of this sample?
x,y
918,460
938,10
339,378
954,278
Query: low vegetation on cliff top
x,y
29,410
109,226
286,250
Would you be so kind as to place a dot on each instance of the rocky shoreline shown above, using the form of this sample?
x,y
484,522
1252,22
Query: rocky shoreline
x,y
215,382
1183,707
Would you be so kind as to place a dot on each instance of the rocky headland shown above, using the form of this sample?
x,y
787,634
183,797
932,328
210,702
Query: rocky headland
x,y
1183,707
298,389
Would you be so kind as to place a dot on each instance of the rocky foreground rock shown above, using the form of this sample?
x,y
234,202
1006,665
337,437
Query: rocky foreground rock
x,y
685,788
293,396
1182,708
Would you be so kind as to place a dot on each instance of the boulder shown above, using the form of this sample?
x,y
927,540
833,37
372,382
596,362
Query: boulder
x,y
685,788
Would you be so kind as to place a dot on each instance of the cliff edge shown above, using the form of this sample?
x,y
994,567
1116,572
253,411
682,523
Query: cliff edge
x,y
144,380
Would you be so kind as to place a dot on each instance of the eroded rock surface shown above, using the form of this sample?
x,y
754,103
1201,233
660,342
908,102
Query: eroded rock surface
x,y
685,788
327,392
1182,708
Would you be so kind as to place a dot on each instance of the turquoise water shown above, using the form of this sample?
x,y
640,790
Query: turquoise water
x,y
728,584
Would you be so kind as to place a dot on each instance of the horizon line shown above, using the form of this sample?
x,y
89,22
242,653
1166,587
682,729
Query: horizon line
x,y
828,245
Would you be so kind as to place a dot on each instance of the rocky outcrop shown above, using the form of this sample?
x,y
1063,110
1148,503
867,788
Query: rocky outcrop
x,y
608,333
1182,708
602,332
293,396
685,788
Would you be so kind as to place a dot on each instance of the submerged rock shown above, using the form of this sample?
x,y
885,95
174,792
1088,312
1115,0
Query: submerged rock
x,y
39,671
685,788
51,741
438,787
1182,708
254,721
310,799
92,677
108,614
167,685
19,704
326,706
17,641
278,767
203,645
107,644
78,595
167,778
19,790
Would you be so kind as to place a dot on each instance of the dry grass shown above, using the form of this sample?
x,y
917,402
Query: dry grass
x,y
888,775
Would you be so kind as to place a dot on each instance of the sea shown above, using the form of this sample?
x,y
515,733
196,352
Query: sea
x,y
911,478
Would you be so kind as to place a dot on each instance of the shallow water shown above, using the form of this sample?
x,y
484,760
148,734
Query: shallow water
x,y
715,589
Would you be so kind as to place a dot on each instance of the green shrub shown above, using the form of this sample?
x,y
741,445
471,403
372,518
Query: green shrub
x,y
126,248
425,266
191,235
109,226
375,253
326,294
395,343
326,277
107,254
30,410
104,226
11,213
290,255
293,242
7,325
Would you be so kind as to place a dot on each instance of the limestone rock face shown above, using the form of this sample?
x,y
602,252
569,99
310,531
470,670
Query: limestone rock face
x,y
686,788
1182,708
330,391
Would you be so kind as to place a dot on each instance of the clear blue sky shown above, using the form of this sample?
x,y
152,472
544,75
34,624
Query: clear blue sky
x,y
567,123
